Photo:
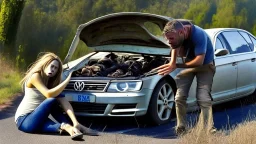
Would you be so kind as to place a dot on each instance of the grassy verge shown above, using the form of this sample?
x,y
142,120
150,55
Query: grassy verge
x,y
243,133
9,80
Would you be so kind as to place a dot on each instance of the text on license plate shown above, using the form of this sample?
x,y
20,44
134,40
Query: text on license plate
x,y
83,98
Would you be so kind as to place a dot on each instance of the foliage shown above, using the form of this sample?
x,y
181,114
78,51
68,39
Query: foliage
x,y
9,80
9,19
51,25
201,11
20,62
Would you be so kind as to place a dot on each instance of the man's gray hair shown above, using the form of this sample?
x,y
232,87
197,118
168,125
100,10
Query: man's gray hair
x,y
172,26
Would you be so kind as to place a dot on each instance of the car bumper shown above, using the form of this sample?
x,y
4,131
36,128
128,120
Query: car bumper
x,y
111,104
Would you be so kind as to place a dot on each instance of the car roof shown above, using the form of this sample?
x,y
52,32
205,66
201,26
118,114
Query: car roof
x,y
213,31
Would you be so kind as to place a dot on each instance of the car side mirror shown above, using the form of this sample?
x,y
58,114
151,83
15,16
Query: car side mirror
x,y
221,52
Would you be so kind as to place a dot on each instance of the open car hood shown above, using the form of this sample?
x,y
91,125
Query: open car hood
x,y
122,28
124,32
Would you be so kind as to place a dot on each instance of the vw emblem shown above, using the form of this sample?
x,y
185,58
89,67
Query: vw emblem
x,y
79,86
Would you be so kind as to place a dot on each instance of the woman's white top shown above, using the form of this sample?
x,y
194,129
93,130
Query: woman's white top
x,y
31,100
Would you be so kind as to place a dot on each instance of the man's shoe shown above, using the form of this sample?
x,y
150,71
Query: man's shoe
x,y
181,130
213,130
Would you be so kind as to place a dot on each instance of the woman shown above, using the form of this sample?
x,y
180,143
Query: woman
x,y
42,85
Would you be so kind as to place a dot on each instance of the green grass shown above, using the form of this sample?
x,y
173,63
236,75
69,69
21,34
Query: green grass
x,y
9,81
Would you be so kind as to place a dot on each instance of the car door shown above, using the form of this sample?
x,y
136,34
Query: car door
x,y
250,39
224,82
244,59
253,39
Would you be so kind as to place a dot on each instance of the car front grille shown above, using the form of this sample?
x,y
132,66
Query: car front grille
x,y
86,86
90,108
124,106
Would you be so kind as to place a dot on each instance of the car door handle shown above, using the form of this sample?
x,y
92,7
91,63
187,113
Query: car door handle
x,y
253,59
234,63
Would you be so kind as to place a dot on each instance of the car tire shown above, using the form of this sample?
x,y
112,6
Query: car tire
x,y
161,106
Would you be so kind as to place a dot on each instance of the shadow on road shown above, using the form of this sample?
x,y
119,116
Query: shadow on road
x,y
10,110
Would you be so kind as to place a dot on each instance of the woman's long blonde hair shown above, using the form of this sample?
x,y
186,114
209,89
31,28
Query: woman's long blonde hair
x,y
38,67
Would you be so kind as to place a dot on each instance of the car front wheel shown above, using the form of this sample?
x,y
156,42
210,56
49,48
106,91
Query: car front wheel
x,y
161,103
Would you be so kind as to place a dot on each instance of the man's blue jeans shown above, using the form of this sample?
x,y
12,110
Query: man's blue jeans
x,y
38,121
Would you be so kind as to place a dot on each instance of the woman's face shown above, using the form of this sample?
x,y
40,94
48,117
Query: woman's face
x,y
52,68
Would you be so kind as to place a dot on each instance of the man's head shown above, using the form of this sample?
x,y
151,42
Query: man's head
x,y
174,33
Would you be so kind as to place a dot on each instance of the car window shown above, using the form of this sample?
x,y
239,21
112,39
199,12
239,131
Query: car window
x,y
218,44
253,40
247,38
224,43
236,42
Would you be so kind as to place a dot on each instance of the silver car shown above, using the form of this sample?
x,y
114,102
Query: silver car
x,y
126,35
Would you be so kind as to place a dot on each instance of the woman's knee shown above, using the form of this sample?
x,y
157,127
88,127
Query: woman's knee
x,y
51,100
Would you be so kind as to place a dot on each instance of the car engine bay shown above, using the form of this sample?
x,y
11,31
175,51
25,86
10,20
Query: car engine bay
x,y
115,65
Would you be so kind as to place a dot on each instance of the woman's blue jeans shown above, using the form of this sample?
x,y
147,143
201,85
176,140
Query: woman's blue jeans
x,y
38,121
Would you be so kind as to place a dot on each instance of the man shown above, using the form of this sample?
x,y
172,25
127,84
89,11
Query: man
x,y
190,41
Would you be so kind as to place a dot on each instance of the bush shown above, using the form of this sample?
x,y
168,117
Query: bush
x,y
9,80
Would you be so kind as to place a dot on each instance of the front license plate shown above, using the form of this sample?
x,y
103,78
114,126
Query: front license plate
x,y
82,98
85,98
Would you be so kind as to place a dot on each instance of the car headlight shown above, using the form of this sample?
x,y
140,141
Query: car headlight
x,y
124,86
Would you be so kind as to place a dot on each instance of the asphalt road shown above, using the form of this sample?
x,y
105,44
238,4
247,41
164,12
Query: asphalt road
x,y
126,130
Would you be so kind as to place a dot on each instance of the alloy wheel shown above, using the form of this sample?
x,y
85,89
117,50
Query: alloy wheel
x,y
165,102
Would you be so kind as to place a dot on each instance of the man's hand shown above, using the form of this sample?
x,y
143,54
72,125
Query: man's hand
x,y
166,68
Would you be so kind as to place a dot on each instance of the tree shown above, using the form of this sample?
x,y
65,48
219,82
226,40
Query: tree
x,y
200,12
9,19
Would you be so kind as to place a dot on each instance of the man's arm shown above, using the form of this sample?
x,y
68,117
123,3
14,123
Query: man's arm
x,y
197,61
174,56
